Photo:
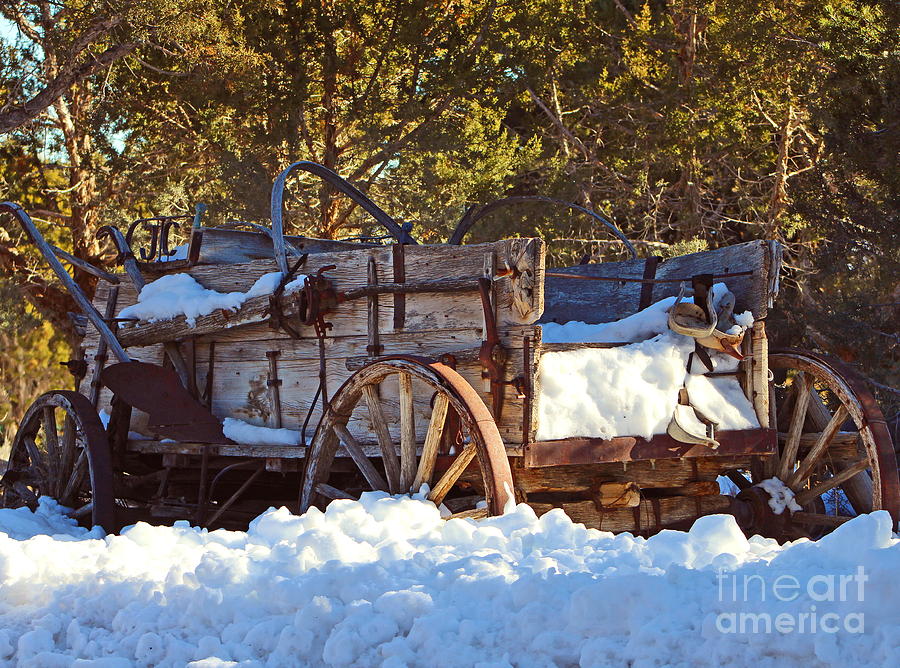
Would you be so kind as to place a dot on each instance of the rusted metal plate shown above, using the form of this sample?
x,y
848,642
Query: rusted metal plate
x,y
173,412
633,448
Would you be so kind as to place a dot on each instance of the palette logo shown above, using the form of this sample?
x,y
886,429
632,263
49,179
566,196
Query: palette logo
x,y
824,603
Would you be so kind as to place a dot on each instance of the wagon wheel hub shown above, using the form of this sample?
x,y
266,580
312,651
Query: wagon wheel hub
x,y
755,516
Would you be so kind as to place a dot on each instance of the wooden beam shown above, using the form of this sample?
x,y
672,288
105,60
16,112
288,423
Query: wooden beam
x,y
634,448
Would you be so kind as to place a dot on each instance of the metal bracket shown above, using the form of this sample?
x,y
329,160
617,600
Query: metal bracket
x,y
274,384
374,347
492,354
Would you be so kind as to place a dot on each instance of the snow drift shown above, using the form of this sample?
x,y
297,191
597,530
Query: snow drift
x,y
386,582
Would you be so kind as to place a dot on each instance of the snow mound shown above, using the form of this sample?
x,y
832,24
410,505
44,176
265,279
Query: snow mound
x,y
249,434
386,582
632,390
174,295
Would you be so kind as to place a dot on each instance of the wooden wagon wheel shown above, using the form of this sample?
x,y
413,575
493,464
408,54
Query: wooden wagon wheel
x,y
405,468
61,451
835,452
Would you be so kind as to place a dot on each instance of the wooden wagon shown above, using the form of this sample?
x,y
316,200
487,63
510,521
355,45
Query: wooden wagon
x,y
393,366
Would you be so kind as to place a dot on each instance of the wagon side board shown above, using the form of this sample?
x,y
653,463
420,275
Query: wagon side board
x,y
433,324
518,267
595,301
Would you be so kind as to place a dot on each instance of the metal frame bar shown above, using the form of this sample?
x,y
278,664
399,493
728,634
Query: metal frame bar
x,y
339,183
474,214
77,294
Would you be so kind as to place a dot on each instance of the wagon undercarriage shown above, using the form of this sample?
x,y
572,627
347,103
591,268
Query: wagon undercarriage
x,y
335,368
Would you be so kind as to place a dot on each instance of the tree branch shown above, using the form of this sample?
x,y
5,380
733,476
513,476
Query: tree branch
x,y
69,75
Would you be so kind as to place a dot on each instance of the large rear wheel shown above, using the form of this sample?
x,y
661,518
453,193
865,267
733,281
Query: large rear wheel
x,y
835,451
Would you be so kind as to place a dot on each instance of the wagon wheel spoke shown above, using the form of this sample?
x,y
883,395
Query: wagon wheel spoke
x,y
432,442
24,493
76,478
383,434
823,440
67,456
451,475
330,492
34,455
370,473
859,489
407,433
61,450
802,386
808,495
837,455
358,406
83,511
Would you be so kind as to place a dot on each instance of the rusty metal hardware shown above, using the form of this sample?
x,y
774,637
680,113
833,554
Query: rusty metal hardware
x,y
234,497
273,382
77,367
277,319
159,227
374,346
317,297
492,354
206,397
400,233
398,259
173,412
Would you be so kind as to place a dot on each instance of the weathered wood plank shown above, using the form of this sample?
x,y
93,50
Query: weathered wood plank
x,y
633,448
424,311
672,510
583,478
222,246
618,494
602,301
257,310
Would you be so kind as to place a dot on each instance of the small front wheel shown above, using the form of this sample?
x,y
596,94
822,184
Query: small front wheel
x,y
61,451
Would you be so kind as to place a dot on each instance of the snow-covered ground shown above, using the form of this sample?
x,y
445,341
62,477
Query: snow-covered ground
x,y
386,582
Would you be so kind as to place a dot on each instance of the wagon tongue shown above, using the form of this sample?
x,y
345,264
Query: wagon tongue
x,y
157,391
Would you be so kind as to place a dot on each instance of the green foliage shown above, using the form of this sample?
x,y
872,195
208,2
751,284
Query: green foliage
x,y
29,364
